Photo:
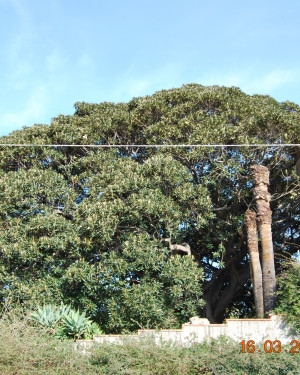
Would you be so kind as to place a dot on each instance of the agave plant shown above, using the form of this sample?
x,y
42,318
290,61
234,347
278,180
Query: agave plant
x,y
65,322
76,324
64,309
48,316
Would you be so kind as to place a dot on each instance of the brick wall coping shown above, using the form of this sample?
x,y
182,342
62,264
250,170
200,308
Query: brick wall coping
x,y
185,331
158,330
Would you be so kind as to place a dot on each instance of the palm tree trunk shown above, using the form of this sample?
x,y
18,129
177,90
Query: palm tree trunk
x,y
264,218
256,274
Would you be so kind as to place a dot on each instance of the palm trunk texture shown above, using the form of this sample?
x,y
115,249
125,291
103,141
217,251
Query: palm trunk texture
x,y
256,273
262,198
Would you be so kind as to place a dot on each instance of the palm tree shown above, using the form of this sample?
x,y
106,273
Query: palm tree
x,y
256,274
262,198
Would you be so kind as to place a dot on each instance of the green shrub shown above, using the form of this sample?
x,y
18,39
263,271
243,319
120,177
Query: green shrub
x,y
220,357
29,350
93,329
65,322
289,293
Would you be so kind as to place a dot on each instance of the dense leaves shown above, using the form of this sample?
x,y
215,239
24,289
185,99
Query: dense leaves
x,y
221,356
289,293
86,226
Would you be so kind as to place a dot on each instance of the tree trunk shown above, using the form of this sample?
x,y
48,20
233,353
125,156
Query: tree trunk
x,y
256,274
264,218
220,291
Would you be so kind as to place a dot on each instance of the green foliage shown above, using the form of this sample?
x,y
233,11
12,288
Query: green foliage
x,y
76,324
86,226
91,330
48,316
29,350
65,322
218,357
289,293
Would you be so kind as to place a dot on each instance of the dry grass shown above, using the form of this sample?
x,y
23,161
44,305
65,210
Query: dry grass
x,y
25,349
29,350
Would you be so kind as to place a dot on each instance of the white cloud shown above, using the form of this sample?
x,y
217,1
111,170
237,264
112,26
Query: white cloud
x,y
231,79
133,84
34,109
271,81
17,50
135,87
252,82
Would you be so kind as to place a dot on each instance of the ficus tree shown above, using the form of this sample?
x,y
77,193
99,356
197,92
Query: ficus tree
x,y
87,226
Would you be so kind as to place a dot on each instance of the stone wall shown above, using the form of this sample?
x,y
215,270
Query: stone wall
x,y
258,330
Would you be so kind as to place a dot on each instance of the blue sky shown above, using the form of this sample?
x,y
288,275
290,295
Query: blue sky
x,y
56,52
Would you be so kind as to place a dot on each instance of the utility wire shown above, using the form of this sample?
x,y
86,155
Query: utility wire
x,y
153,146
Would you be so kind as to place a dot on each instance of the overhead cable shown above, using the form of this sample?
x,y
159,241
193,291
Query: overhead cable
x,y
153,146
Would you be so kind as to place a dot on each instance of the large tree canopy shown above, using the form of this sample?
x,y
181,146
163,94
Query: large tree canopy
x,y
87,225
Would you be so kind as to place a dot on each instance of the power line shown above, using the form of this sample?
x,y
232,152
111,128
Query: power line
x,y
154,146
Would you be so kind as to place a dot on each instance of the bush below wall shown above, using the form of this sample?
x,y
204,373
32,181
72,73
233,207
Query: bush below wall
x,y
28,350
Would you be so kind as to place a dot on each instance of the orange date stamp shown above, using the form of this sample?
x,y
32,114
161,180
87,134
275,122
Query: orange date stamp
x,y
269,347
